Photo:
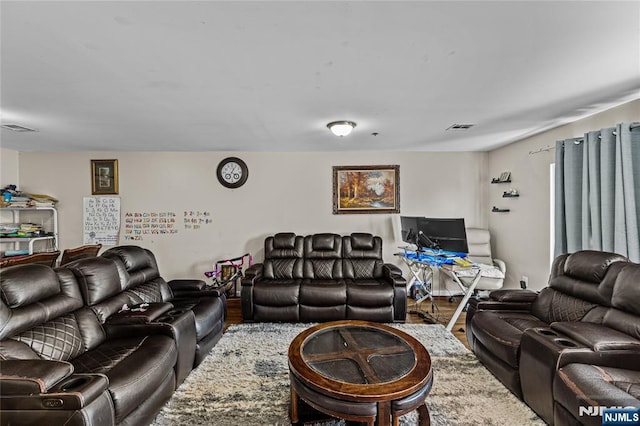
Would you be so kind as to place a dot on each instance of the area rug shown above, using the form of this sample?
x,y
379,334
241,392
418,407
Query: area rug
x,y
244,381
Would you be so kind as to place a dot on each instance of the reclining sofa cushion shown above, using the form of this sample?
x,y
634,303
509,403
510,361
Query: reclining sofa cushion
x,y
143,276
136,368
23,305
271,290
370,294
283,257
102,282
323,292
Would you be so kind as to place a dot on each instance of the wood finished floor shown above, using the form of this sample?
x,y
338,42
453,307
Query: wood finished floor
x,y
442,310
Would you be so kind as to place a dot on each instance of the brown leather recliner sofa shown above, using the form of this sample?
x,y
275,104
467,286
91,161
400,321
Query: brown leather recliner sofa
x,y
572,349
69,353
145,285
323,277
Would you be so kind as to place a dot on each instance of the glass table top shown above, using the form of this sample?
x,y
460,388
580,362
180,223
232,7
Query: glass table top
x,y
358,355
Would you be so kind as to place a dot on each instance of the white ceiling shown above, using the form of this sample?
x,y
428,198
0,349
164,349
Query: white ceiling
x,y
269,75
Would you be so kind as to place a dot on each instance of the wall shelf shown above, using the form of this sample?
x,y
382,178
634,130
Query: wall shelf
x,y
497,210
505,177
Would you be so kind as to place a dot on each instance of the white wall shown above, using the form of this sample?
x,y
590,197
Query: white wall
x,y
285,192
522,237
9,165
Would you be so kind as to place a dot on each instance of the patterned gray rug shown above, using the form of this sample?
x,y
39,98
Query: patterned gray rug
x,y
244,381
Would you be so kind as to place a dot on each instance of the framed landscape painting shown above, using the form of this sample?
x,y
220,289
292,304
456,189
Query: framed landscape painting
x,y
366,189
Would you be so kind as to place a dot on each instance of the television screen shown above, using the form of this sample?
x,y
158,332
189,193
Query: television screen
x,y
446,234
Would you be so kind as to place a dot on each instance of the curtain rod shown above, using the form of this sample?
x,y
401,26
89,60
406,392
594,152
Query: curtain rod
x,y
545,149
633,125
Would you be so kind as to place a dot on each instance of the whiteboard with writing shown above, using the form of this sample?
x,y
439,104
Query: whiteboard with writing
x,y
101,220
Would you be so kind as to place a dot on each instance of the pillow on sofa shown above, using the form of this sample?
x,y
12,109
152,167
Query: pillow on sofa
x,y
26,284
361,241
284,240
323,242
589,265
626,291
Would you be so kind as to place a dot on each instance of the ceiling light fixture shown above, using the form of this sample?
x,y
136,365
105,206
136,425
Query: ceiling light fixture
x,y
341,128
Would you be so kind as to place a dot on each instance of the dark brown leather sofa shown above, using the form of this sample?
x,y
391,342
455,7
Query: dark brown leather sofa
x,y
323,277
145,285
59,365
70,354
573,348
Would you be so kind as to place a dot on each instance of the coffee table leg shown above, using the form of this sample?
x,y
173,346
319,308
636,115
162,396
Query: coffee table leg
x,y
384,413
294,406
424,419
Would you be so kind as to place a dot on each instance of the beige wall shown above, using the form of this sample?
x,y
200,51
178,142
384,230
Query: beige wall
x,y
285,192
9,162
522,237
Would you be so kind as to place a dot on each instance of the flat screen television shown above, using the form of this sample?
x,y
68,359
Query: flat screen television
x,y
444,234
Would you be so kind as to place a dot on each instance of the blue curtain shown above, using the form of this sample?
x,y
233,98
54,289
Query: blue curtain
x,y
597,191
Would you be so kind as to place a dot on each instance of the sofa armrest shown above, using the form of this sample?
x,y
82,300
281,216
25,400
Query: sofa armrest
x,y
596,336
117,331
513,295
493,305
498,263
140,314
188,289
252,274
27,376
625,359
394,274
35,384
186,285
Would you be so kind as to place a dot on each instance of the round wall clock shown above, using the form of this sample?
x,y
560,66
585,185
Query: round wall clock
x,y
232,172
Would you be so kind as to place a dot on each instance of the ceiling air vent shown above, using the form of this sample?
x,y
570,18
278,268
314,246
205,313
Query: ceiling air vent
x,y
460,126
17,128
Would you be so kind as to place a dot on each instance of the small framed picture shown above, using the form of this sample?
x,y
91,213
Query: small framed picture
x,y
104,177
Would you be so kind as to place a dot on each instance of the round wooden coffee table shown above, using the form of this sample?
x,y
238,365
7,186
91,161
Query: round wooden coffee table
x,y
359,371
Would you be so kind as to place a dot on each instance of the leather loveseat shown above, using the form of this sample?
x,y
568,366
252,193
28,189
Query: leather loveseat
x,y
72,353
572,349
323,277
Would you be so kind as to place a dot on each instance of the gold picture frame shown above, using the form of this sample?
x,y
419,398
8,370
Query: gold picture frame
x,y
366,189
104,177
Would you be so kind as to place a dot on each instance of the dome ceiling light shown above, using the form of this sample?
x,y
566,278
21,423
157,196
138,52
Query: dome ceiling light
x,y
341,128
